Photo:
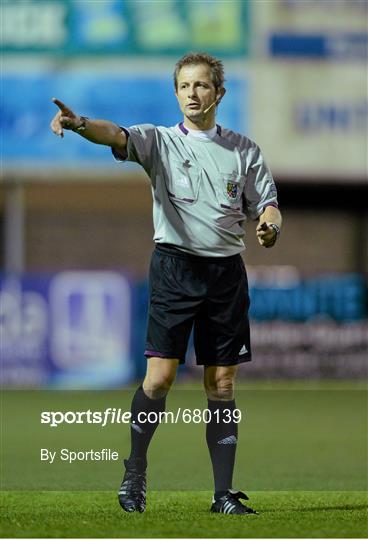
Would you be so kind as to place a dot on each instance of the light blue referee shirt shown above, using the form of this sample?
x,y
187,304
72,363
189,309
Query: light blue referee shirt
x,y
203,188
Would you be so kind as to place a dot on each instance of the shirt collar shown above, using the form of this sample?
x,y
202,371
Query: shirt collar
x,y
185,131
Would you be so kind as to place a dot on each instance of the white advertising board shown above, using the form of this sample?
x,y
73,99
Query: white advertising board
x,y
310,118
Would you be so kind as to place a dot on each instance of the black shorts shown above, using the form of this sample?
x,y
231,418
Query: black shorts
x,y
208,292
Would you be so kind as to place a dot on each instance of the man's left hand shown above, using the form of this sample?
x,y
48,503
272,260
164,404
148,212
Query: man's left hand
x,y
266,234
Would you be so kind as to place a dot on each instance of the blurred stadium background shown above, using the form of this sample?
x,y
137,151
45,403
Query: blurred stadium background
x,y
76,227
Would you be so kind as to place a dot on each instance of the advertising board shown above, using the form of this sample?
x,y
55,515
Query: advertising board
x,y
310,119
87,329
70,329
66,28
331,30
127,99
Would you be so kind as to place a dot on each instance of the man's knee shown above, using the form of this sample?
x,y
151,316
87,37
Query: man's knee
x,y
220,390
219,383
157,386
160,375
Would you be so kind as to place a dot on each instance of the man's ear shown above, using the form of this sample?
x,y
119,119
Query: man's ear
x,y
220,94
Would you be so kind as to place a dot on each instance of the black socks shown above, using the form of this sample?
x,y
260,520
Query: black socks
x,y
222,437
143,425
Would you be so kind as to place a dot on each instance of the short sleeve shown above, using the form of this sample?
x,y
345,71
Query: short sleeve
x,y
141,146
260,189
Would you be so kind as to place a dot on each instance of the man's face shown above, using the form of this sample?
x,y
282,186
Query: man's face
x,y
195,91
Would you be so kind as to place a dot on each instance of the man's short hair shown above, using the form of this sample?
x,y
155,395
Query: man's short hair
x,y
216,66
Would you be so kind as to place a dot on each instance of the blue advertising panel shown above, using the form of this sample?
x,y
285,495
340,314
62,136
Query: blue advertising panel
x,y
319,46
338,298
86,329
70,329
26,112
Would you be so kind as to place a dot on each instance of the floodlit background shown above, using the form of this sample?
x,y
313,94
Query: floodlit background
x,y
76,226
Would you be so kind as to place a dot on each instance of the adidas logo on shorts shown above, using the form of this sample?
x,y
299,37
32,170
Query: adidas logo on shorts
x,y
243,350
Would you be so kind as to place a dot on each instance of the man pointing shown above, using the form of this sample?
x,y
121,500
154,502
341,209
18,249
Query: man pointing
x,y
205,181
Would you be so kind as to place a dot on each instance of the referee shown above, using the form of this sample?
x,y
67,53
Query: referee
x,y
205,181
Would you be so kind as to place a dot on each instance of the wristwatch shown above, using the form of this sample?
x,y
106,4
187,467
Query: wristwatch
x,y
276,228
82,125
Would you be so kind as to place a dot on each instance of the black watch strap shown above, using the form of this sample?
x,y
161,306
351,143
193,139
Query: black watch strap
x,y
82,125
276,228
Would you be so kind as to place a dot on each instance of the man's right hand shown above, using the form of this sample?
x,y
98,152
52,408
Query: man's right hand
x,y
98,131
65,118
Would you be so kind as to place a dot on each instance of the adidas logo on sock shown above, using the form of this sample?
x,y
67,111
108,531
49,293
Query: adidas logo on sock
x,y
228,440
137,428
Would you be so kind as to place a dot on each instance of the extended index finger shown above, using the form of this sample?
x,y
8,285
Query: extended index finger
x,y
60,104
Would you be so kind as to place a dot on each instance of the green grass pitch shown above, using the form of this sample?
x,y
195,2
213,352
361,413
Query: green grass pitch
x,y
301,459
184,514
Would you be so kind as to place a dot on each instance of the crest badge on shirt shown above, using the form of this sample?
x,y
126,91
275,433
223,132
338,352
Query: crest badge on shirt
x,y
232,190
